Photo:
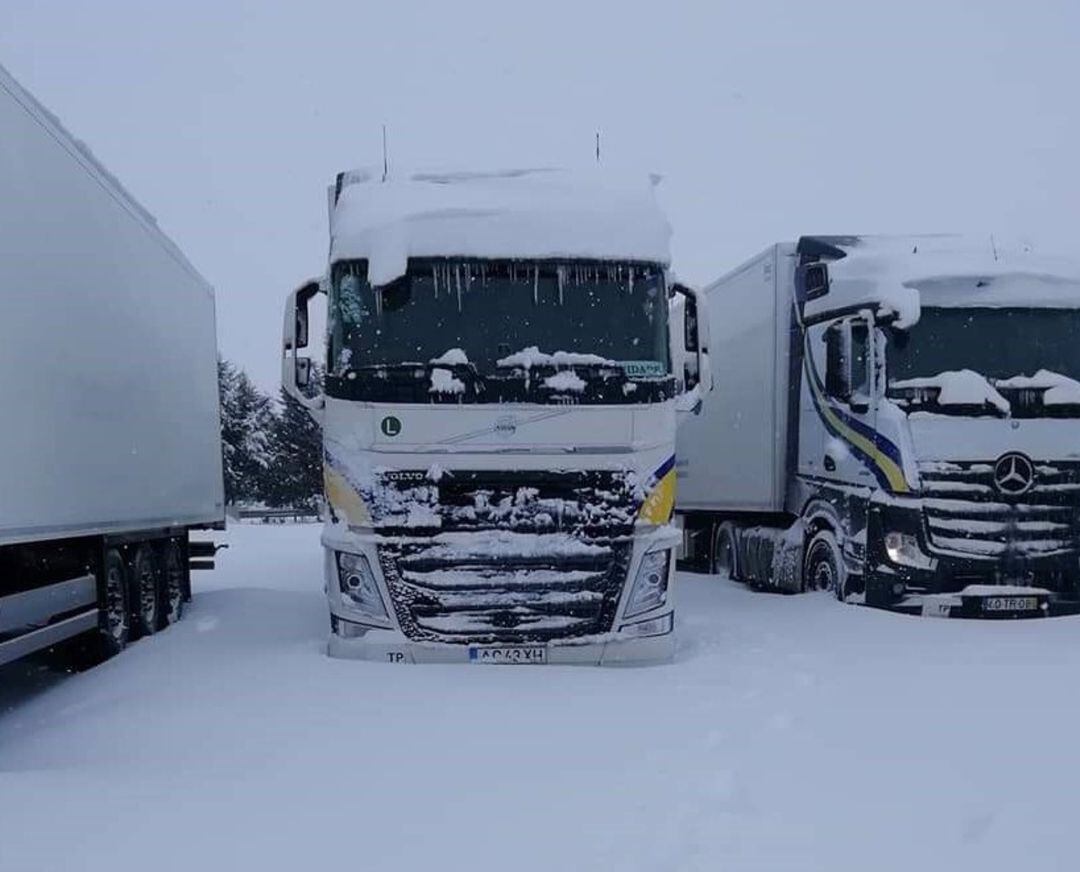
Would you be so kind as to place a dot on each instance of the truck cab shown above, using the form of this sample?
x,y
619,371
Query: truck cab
x,y
897,419
498,418
942,381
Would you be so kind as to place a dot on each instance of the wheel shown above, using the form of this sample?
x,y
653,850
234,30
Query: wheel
x,y
114,625
723,551
171,595
145,603
824,568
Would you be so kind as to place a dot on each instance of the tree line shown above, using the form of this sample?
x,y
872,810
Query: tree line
x,y
272,448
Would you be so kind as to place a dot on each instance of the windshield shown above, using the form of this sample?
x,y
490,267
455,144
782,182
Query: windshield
x,y
1023,362
500,331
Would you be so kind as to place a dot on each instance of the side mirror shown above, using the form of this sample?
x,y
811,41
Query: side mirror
x,y
697,371
295,370
811,281
303,372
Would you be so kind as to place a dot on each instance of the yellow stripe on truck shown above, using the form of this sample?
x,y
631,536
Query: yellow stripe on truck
x,y
660,503
344,499
893,473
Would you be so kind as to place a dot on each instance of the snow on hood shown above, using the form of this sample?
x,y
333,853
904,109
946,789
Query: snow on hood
x,y
526,214
1060,389
964,387
907,272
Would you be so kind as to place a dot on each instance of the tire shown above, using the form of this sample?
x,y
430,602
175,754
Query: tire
x,y
724,554
114,621
145,596
173,586
823,567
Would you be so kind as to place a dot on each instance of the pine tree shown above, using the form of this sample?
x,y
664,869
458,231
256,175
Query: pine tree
x,y
295,474
247,419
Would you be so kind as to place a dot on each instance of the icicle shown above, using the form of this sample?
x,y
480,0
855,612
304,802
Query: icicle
x,y
630,281
435,279
560,274
536,286
457,281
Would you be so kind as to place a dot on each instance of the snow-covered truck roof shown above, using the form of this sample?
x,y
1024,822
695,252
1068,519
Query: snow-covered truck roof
x,y
516,214
949,271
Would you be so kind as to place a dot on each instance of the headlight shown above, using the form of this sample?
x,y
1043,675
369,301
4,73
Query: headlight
x,y
903,549
650,584
358,586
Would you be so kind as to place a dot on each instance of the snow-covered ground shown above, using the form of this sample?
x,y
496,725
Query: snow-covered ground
x,y
790,733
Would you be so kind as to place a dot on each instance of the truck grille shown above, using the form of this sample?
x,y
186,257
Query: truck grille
x,y
966,513
505,557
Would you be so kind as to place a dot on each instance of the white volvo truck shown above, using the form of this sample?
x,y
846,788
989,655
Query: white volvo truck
x,y
896,419
498,417
110,450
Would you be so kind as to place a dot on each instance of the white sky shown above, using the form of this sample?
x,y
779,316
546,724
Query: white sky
x,y
769,119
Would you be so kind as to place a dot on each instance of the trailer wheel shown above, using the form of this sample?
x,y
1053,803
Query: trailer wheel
x,y
114,624
723,551
145,603
824,567
172,584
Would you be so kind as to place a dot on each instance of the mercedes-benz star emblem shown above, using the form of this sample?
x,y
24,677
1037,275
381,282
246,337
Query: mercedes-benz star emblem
x,y
1014,474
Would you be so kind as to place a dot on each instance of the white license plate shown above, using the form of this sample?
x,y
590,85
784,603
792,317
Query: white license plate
x,y
1011,604
510,656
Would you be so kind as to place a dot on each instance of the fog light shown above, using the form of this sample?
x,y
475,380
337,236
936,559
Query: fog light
x,y
358,587
653,627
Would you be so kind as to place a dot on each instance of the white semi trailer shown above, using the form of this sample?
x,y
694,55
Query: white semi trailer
x,y
498,418
897,419
110,448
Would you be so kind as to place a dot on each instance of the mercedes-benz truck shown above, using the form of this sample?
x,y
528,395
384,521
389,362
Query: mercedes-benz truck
x,y
498,417
110,451
895,419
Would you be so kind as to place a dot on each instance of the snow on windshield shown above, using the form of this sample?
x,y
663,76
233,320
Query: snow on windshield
x,y
452,357
565,380
961,388
1060,390
533,356
443,382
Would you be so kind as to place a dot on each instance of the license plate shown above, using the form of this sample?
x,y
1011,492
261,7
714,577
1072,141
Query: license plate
x,y
508,656
1010,604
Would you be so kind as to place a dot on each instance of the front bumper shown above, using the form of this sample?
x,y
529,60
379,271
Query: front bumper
x,y
389,646
645,638
955,585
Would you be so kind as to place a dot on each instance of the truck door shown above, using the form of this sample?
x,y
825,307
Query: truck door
x,y
850,409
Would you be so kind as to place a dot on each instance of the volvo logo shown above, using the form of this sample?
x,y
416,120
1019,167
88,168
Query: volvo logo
x,y
1014,474
505,427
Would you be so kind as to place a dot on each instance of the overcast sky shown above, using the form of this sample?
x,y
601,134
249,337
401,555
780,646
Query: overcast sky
x,y
768,119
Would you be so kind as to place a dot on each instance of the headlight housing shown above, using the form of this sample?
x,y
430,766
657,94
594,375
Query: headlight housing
x,y
903,549
358,587
650,584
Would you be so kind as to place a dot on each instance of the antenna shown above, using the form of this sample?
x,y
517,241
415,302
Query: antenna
x,y
598,146
993,247
385,159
